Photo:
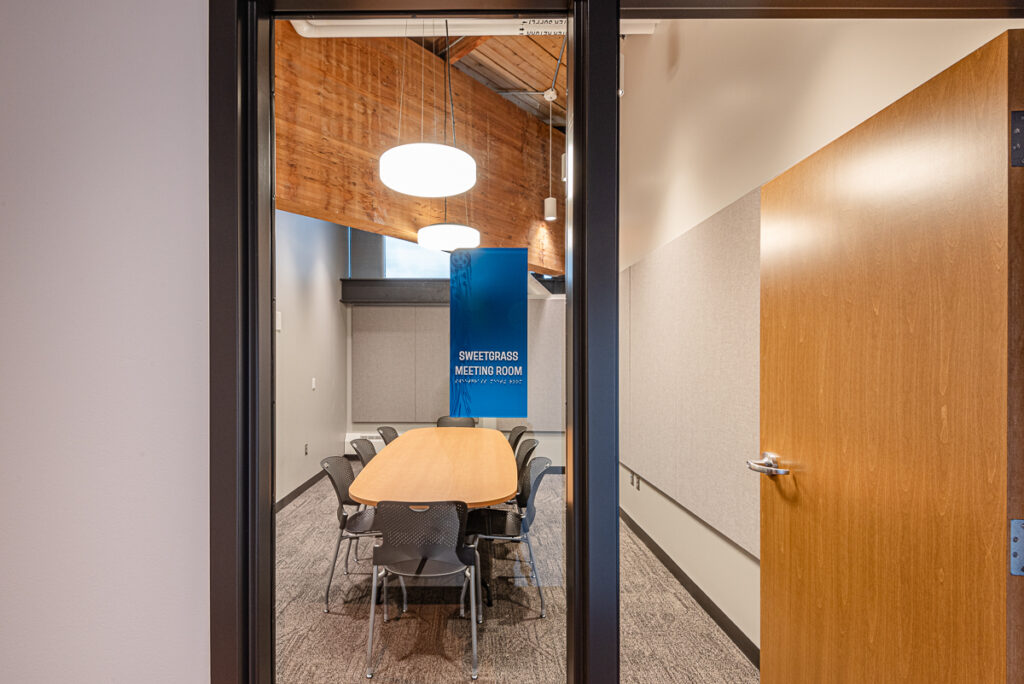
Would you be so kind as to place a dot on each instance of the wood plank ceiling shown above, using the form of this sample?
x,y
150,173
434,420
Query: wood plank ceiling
x,y
521,68
338,103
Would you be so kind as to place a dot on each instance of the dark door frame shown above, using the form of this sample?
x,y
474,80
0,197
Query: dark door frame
x,y
241,341
241,243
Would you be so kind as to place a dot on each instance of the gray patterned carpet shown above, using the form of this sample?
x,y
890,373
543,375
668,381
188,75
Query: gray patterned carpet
x,y
666,636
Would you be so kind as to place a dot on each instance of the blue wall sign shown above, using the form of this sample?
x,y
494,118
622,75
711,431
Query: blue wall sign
x,y
488,333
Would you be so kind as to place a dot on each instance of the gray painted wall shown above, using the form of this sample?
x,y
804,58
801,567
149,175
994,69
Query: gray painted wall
x,y
311,256
104,357
692,370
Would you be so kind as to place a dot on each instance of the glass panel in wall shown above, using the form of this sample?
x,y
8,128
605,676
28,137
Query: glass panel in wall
x,y
370,473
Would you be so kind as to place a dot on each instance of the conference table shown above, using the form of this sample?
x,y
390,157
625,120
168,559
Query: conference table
x,y
475,465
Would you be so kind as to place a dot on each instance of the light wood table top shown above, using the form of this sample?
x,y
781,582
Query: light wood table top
x,y
475,465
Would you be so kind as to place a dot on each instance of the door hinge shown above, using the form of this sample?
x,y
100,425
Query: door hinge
x,y
1016,138
1017,547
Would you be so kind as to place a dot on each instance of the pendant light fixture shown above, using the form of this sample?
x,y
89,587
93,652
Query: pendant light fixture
x,y
550,204
447,236
551,94
426,169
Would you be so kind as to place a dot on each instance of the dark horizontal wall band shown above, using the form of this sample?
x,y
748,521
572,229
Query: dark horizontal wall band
x,y
735,634
299,491
396,291
780,9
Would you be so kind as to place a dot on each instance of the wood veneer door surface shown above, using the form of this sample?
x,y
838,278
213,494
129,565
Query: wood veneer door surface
x,y
884,324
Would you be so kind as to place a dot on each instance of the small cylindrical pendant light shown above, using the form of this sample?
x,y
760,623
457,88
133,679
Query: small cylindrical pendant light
x,y
550,209
550,204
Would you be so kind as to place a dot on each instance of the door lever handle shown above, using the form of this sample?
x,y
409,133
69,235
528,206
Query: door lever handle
x,y
768,465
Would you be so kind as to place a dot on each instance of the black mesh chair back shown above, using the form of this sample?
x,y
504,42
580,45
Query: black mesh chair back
x,y
429,530
515,435
364,450
529,483
339,471
451,421
387,433
526,450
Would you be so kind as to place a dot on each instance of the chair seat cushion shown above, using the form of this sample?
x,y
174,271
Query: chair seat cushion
x,y
360,522
494,522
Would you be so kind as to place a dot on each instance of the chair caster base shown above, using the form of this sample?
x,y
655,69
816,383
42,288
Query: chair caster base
x,y
327,610
473,677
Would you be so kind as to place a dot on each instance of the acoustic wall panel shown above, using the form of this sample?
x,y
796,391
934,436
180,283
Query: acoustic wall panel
x,y
383,364
432,361
693,370
545,375
400,364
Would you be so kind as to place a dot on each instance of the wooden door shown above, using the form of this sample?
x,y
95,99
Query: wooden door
x,y
890,357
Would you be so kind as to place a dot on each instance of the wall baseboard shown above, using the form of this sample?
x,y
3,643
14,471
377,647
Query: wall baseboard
x,y
735,634
295,493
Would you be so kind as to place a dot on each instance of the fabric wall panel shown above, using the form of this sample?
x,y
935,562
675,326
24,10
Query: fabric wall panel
x,y
432,362
383,364
693,370
545,375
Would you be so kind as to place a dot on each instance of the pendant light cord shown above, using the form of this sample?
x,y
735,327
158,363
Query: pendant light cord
x,y
423,92
450,97
451,94
550,104
401,88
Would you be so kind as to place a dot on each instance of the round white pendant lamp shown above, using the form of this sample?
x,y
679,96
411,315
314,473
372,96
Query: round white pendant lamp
x,y
427,170
448,237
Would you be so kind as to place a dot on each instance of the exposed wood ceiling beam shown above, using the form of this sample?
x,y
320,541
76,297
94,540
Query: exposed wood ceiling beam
x,y
336,107
466,46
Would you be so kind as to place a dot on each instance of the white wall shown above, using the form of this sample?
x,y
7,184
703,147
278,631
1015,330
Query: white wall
x,y
311,257
104,364
714,108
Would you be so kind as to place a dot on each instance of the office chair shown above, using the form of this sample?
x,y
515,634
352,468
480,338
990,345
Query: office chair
x,y
514,526
350,526
526,449
515,435
426,539
387,433
450,421
364,450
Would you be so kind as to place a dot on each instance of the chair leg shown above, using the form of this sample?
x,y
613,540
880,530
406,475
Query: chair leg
x,y
348,550
462,597
369,638
405,595
385,600
479,591
330,574
536,579
472,622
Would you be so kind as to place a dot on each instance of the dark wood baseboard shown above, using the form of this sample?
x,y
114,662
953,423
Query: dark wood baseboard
x,y
742,641
295,493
